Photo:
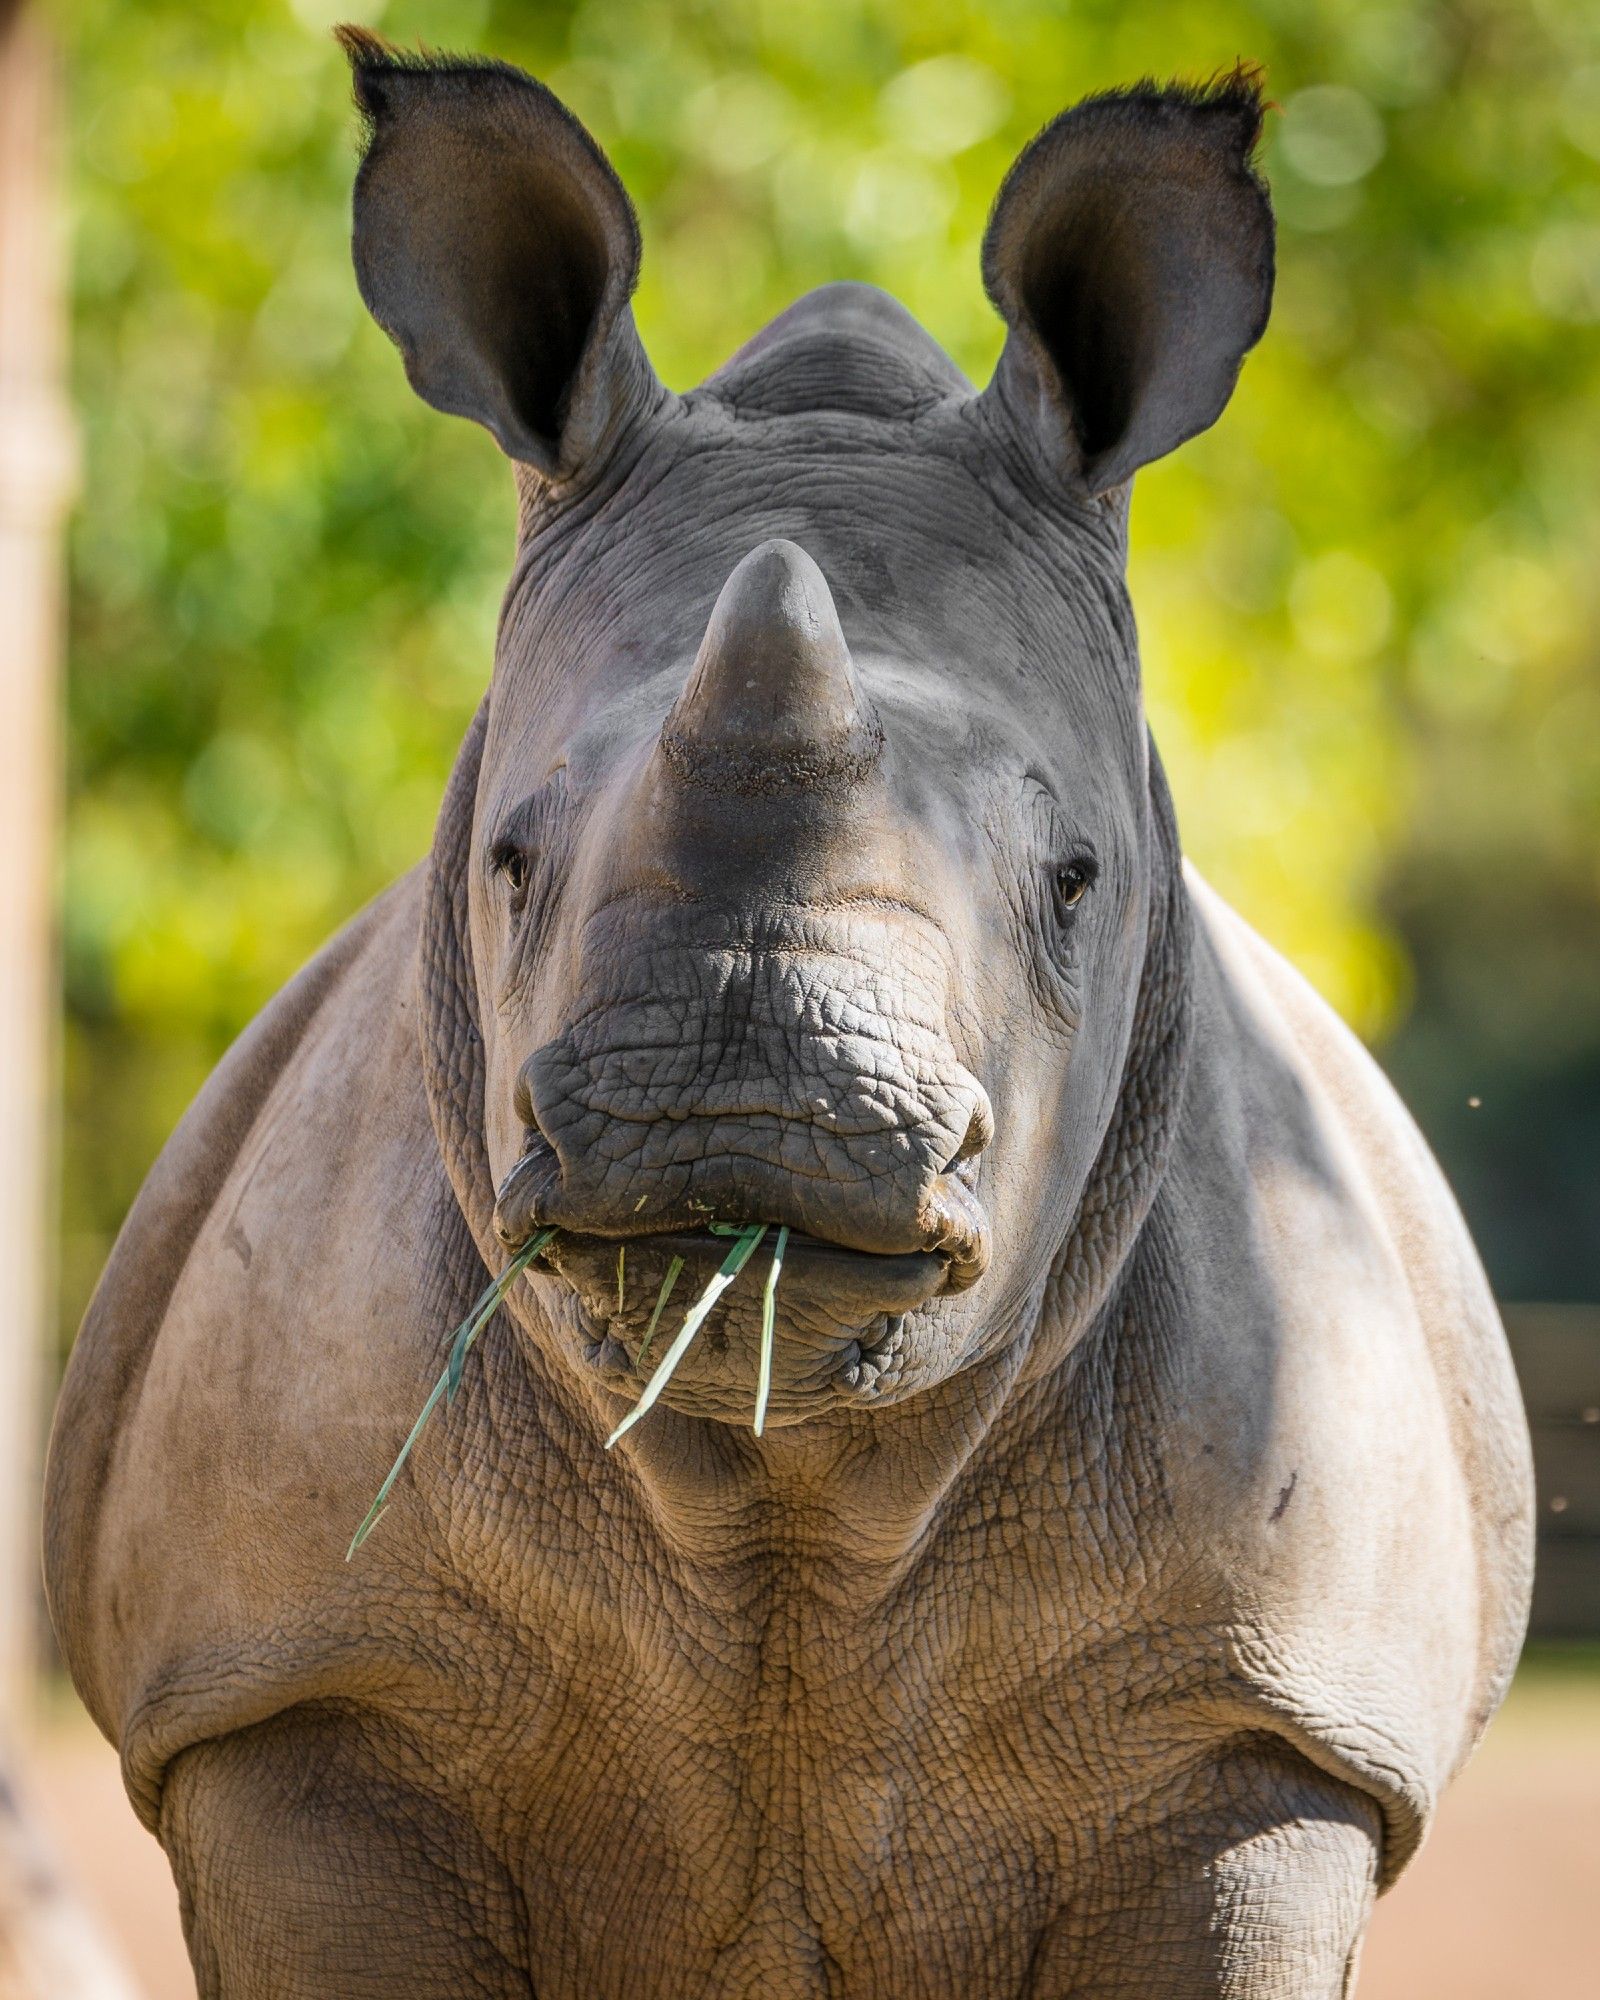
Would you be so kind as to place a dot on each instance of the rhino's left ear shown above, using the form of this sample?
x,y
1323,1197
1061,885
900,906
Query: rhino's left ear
x,y
1130,253
496,247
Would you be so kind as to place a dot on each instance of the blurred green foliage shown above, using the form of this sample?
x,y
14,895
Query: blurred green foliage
x,y
1368,598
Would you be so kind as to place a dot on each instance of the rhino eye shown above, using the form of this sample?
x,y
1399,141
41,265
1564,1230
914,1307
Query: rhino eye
x,y
1073,880
510,861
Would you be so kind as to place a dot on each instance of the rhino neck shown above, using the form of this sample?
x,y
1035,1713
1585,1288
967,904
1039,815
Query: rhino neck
x,y
868,1482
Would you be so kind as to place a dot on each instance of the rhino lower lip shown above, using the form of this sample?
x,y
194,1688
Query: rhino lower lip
x,y
869,1366
846,1331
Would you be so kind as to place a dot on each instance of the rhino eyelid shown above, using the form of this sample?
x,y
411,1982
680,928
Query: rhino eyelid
x,y
507,858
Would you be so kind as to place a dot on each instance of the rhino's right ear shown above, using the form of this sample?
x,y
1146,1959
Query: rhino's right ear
x,y
496,247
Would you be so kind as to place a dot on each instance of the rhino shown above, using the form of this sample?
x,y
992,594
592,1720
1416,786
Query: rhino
x,y
1139,1538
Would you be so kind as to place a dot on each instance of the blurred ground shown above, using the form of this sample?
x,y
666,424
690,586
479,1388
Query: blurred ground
x,y
1499,1906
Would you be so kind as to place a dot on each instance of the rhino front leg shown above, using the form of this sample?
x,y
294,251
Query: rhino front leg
x,y
309,1865
1258,1886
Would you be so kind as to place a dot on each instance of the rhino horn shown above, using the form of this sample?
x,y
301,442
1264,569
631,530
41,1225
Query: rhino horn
x,y
772,700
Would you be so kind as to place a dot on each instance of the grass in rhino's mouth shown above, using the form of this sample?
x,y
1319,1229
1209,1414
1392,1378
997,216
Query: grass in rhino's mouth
x,y
743,1248
747,1237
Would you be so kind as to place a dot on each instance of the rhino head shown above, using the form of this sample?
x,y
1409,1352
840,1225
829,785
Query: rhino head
x,y
809,864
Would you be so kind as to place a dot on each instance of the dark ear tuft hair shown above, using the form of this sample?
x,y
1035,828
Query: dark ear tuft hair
x,y
1130,251
364,45
374,59
496,247
1237,95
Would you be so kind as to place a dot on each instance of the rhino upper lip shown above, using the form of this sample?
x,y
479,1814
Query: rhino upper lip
x,y
953,1231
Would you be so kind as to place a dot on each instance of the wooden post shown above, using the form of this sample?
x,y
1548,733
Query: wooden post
x,y
49,1948
36,483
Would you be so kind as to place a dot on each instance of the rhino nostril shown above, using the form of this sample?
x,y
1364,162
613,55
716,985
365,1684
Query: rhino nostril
x,y
979,1132
526,1189
953,1222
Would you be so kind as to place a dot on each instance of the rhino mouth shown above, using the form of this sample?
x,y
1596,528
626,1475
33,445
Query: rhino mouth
x,y
845,1325
853,1321
756,1088
858,1285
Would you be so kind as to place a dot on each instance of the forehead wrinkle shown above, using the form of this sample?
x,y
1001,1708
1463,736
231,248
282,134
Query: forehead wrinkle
x,y
929,560
786,455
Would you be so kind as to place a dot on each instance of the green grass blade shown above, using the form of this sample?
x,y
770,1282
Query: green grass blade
x,y
732,1265
662,1296
488,1306
474,1323
769,1315
484,1298
387,1487
466,1333
622,1270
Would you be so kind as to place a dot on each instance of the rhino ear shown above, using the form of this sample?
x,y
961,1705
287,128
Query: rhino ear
x,y
1130,253
496,247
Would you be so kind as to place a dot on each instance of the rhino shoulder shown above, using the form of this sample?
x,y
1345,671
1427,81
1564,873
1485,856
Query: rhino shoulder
x,y
289,1238
1311,1100
1343,1433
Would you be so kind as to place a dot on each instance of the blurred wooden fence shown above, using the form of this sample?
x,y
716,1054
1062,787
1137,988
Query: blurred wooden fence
x,y
1557,1352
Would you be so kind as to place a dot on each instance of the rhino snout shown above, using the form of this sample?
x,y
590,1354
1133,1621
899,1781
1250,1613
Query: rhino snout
x,y
851,1129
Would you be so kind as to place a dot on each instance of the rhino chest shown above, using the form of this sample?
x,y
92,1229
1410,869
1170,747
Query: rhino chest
x,y
799,1799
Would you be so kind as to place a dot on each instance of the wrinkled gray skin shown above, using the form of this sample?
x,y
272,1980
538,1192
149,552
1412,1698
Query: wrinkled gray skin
x,y
1141,1536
